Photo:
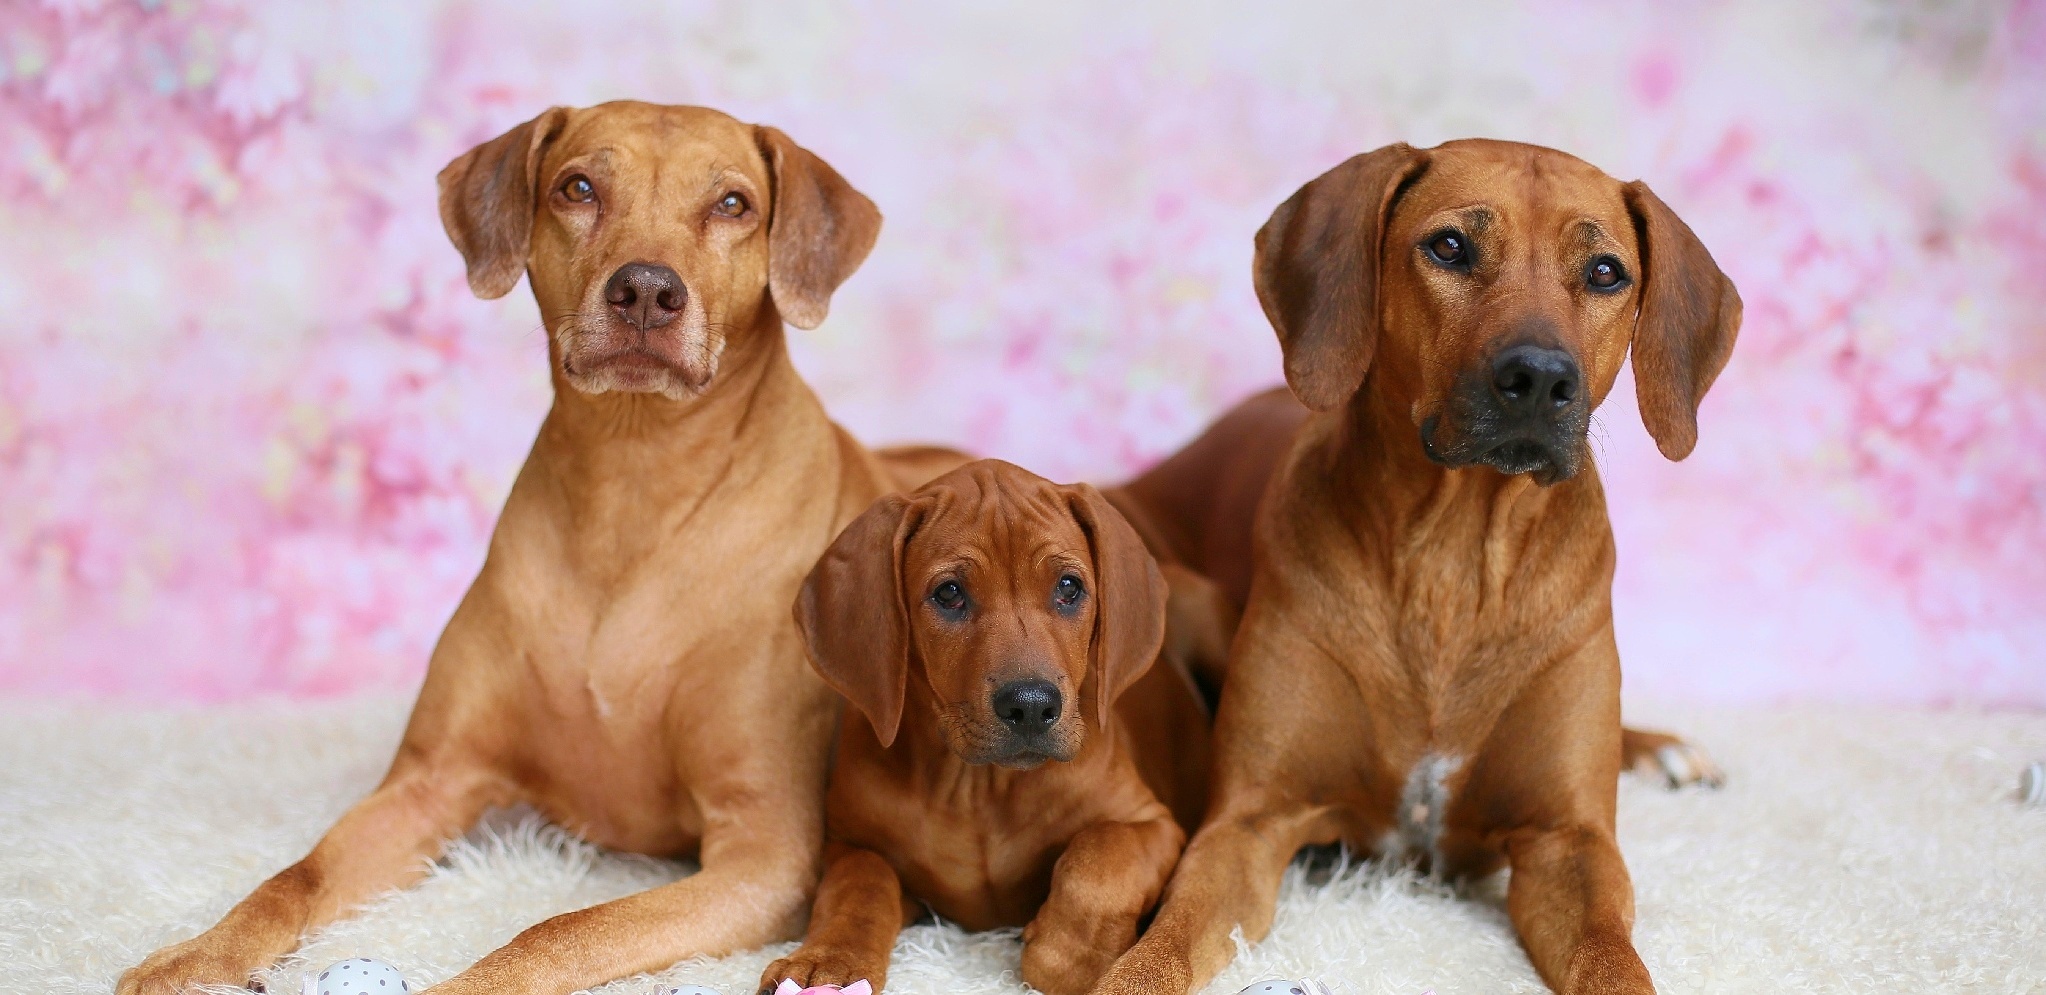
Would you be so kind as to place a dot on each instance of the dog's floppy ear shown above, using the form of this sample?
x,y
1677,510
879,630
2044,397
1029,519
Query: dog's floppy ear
x,y
820,232
1683,335
1316,271
852,616
487,202
1129,598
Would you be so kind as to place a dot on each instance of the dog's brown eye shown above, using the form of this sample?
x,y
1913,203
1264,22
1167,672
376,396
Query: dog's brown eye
x,y
1605,274
731,205
1069,590
949,596
579,190
1448,249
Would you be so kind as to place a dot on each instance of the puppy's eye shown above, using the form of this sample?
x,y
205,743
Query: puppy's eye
x,y
1068,591
730,205
1448,248
579,189
1605,275
949,596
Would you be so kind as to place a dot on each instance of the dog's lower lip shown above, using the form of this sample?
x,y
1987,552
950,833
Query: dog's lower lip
x,y
1519,456
1023,761
634,359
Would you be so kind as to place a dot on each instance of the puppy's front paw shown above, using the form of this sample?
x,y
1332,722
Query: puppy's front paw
x,y
813,965
202,960
1067,958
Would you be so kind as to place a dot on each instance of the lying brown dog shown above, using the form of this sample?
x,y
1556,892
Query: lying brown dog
x,y
1022,760
627,643
1426,666
1199,508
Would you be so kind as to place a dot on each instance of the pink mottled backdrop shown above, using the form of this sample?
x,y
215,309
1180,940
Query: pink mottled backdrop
x,y
254,429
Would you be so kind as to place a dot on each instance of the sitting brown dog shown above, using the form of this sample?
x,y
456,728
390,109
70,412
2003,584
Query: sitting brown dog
x,y
1022,760
1426,666
628,642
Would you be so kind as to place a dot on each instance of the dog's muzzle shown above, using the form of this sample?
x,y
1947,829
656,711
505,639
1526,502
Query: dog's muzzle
x,y
1523,412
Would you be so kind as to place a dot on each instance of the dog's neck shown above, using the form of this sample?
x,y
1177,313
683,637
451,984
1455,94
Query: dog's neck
x,y
628,458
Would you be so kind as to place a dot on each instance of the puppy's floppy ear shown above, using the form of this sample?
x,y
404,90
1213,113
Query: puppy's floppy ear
x,y
1683,335
852,616
821,230
1129,598
487,202
1316,271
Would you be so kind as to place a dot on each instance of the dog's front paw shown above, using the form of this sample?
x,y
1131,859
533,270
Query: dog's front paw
x,y
1148,969
813,965
202,960
1067,957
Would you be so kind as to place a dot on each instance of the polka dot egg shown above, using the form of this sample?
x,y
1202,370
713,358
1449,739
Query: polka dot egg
x,y
358,976
1305,986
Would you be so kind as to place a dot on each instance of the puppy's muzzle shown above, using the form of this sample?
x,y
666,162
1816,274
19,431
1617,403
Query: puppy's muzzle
x,y
1522,412
1028,707
1029,710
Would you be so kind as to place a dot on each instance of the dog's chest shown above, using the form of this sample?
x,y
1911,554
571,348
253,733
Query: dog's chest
x,y
1441,633
1421,811
976,858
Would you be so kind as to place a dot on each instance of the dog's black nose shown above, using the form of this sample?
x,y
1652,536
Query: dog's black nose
x,y
1029,707
645,295
1535,381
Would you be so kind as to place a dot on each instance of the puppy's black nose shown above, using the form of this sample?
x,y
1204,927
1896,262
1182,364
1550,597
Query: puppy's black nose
x,y
1535,381
1029,707
645,295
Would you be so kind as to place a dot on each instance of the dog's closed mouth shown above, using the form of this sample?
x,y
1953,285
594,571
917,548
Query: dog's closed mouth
x,y
634,359
1519,456
1026,760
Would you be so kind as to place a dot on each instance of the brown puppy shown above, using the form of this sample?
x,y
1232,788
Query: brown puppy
x,y
1021,761
628,638
1426,666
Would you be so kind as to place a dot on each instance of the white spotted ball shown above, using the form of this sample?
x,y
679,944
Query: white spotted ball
x,y
1277,986
357,976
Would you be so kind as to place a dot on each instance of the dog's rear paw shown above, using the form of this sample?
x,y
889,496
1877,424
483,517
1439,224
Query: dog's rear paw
x,y
1662,755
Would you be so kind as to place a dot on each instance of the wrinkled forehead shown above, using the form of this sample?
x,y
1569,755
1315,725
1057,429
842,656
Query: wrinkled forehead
x,y
995,523
661,143
1523,188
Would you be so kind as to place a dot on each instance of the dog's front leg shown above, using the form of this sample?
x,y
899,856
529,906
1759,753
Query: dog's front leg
x,y
381,844
1571,901
1109,876
759,867
1228,878
858,913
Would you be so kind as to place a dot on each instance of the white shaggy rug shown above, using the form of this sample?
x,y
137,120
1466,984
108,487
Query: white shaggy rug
x,y
1854,851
